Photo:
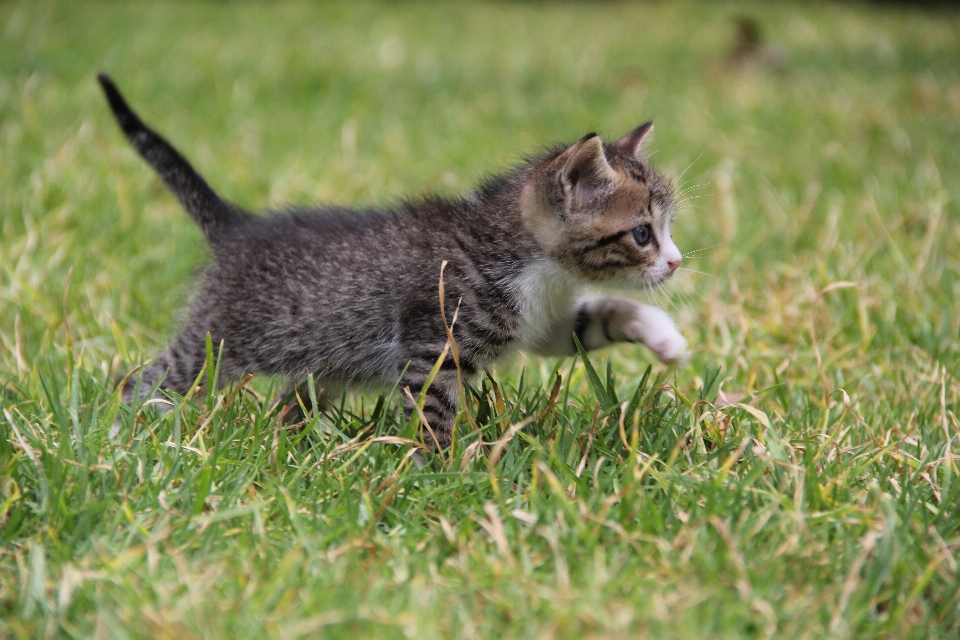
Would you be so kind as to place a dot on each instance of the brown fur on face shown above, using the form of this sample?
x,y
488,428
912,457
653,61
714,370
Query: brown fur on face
x,y
583,204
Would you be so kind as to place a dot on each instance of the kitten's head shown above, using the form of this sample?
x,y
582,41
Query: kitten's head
x,y
603,213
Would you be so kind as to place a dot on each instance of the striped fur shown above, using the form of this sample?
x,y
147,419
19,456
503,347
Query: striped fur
x,y
351,296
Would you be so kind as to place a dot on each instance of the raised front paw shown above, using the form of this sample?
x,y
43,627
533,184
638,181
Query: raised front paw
x,y
656,329
603,320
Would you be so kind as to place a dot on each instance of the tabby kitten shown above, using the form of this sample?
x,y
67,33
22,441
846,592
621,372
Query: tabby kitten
x,y
352,295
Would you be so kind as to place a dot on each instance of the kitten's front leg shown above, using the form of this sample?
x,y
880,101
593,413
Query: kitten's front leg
x,y
297,396
603,320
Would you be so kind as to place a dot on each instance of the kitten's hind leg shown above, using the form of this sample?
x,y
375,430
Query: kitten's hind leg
x,y
174,370
169,371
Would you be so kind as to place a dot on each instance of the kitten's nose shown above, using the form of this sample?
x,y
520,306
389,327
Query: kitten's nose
x,y
673,264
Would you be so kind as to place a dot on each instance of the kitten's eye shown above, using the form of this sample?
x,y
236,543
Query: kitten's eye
x,y
642,234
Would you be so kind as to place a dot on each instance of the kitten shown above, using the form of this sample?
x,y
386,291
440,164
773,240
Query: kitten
x,y
352,295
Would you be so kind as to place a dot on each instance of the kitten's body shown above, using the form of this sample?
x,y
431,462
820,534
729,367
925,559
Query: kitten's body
x,y
352,296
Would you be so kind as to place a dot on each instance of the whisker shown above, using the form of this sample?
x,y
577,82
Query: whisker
x,y
681,203
690,253
684,189
659,298
691,208
689,165
702,273
696,184
688,199
676,297
691,296
682,200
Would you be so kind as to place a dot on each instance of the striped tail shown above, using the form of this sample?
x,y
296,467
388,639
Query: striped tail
x,y
209,210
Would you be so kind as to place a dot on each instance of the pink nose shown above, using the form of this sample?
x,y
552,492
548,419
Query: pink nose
x,y
673,264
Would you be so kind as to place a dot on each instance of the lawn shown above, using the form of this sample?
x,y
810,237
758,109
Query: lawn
x,y
798,478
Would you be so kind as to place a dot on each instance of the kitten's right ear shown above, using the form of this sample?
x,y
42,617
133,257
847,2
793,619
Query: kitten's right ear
x,y
633,142
585,168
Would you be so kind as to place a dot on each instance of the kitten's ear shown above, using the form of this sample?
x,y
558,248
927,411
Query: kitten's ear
x,y
634,141
585,169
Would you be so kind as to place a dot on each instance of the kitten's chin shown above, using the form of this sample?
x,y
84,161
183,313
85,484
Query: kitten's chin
x,y
630,281
641,281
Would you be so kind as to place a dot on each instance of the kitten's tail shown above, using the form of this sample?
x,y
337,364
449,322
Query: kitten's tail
x,y
209,210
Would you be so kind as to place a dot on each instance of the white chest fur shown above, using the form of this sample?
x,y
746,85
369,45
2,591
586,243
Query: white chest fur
x,y
546,292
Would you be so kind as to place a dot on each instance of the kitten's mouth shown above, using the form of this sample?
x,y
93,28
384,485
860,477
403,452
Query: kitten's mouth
x,y
648,282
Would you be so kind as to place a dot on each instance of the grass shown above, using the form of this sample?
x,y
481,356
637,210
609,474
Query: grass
x,y
817,496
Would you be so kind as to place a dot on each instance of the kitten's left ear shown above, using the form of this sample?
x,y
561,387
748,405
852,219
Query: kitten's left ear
x,y
585,168
634,141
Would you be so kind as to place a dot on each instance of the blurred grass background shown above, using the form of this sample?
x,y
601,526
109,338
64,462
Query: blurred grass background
x,y
823,175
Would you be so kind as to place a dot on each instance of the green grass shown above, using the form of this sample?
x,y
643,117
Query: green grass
x,y
632,502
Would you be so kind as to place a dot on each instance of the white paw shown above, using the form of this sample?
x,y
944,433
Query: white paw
x,y
656,329
671,349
